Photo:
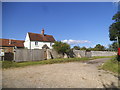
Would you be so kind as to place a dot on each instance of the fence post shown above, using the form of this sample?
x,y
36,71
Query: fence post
x,y
14,54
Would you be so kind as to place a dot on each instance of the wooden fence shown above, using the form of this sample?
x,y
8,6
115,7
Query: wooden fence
x,y
29,55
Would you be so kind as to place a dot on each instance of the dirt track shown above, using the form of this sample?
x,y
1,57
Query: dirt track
x,y
64,75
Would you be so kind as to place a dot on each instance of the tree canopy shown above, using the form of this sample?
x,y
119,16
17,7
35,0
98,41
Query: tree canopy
x,y
99,47
114,29
61,47
113,46
83,48
76,47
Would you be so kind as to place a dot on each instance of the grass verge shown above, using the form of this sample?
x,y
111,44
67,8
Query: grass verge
x,y
9,64
112,65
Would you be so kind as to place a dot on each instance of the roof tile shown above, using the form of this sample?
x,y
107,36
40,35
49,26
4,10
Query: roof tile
x,y
11,42
40,37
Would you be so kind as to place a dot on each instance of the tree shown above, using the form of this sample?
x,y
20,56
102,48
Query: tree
x,y
76,47
113,46
83,48
114,29
90,49
61,47
99,47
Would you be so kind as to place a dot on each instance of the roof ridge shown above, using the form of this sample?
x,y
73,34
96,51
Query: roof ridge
x,y
39,34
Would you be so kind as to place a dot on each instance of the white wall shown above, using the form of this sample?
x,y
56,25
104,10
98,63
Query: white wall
x,y
27,42
40,45
103,53
31,45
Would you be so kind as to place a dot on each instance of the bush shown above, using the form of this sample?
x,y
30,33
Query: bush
x,y
118,58
61,47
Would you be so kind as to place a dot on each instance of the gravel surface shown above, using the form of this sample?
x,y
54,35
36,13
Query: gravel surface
x,y
63,75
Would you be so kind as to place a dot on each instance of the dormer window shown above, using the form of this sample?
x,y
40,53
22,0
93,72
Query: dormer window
x,y
36,43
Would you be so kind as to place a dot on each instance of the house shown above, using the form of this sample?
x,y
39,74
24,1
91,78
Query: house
x,y
38,41
8,45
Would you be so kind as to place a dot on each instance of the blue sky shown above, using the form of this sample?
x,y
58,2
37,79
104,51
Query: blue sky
x,y
78,23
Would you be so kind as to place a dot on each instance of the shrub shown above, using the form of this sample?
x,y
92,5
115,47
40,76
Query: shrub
x,y
61,47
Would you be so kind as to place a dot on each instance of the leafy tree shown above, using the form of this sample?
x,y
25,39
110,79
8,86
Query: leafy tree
x,y
76,47
83,48
110,47
90,48
116,17
99,47
114,29
61,47
113,46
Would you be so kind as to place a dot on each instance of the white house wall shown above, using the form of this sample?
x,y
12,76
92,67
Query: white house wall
x,y
27,42
40,45
27,38
31,45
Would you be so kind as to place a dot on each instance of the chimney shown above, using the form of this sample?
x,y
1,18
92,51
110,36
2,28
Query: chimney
x,y
9,41
42,32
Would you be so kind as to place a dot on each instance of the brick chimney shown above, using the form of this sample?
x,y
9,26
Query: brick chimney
x,y
42,32
9,41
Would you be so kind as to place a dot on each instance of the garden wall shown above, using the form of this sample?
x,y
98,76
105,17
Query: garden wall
x,y
42,54
79,53
103,53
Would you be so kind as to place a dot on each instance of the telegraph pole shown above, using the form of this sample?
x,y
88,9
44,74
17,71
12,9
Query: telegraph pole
x,y
118,42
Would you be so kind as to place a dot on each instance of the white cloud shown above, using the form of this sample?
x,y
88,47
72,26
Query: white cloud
x,y
70,41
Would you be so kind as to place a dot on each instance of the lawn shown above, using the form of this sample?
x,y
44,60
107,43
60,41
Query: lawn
x,y
9,64
112,65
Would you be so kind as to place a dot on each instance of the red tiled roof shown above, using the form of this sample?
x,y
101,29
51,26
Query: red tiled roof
x,y
11,42
40,37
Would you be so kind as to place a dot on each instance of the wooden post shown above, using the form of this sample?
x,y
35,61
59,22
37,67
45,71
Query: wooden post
x,y
3,58
14,51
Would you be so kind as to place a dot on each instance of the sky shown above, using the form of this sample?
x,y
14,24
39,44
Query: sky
x,y
76,23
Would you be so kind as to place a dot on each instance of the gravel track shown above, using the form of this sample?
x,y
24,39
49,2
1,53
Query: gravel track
x,y
63,75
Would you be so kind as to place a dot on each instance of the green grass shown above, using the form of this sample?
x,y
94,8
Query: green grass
x,y
112,65
97,57
9,64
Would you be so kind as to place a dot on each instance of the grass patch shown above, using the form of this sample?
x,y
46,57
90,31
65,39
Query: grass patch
x,y
112,65
9,64
97,57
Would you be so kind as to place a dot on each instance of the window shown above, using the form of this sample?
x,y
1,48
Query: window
x,y
50,44
36,43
